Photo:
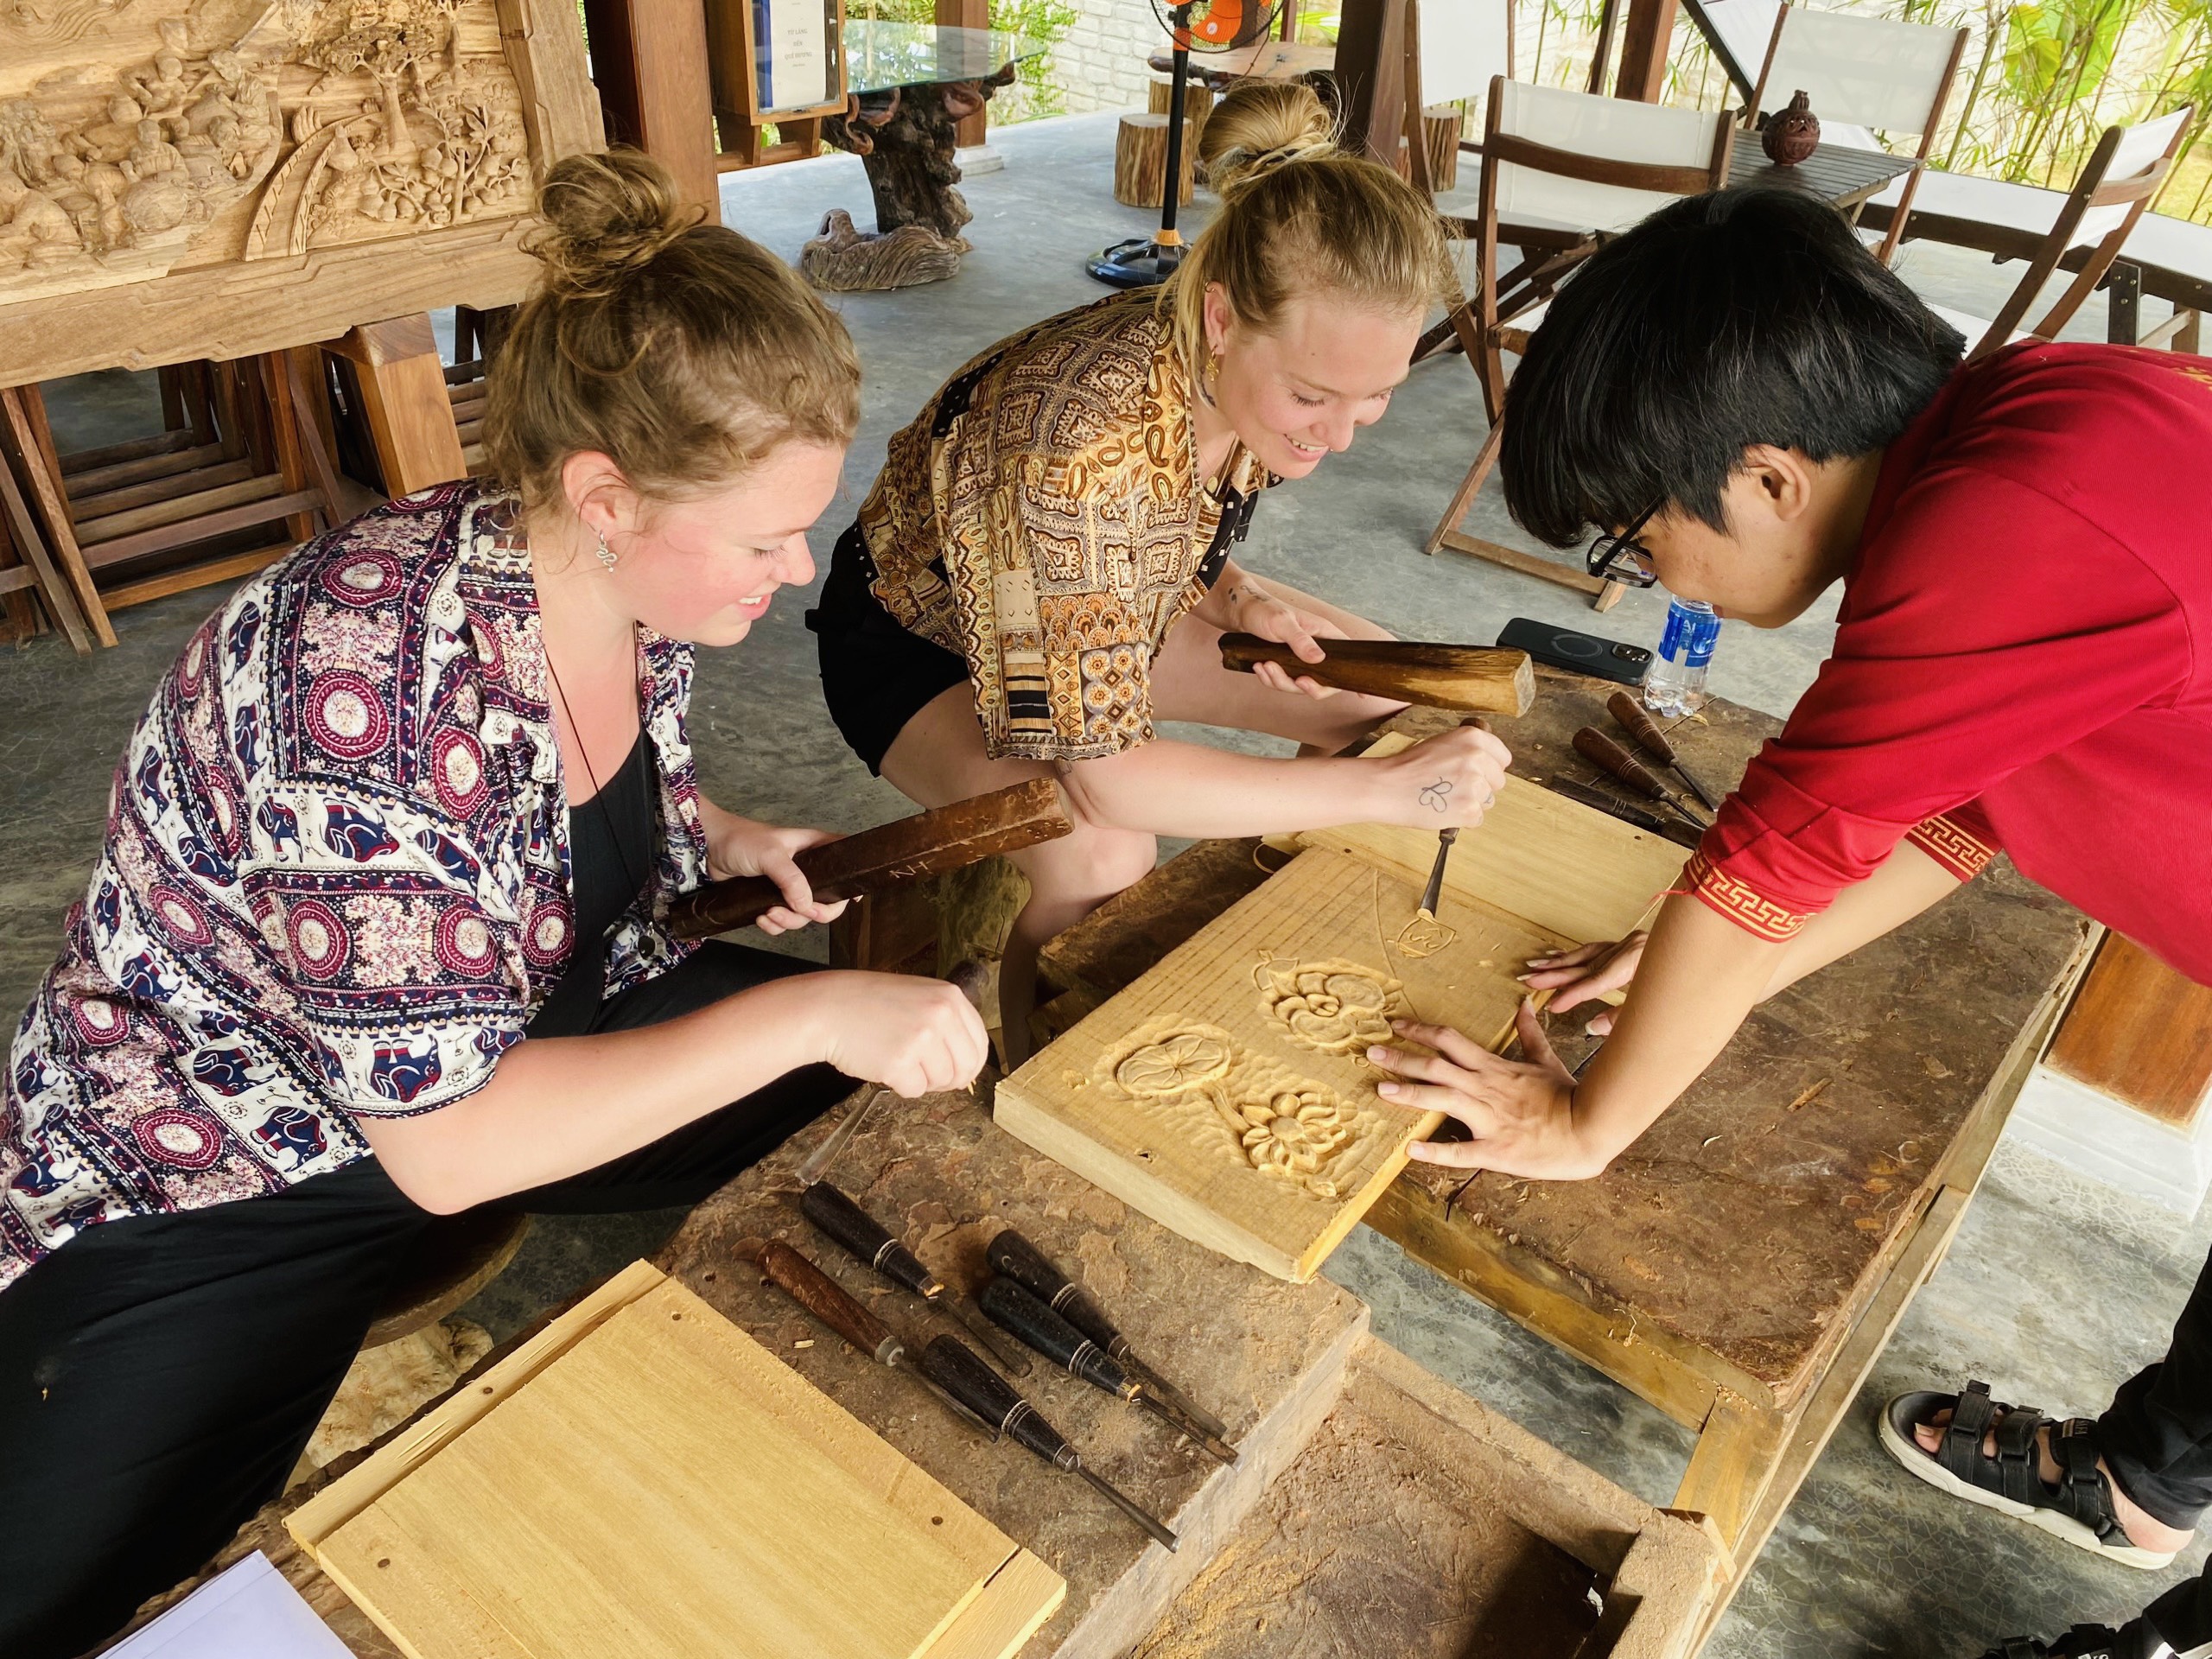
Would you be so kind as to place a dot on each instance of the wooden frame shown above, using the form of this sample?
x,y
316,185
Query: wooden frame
x,y
242,307
2091,191
1935,118
1487,326
733,61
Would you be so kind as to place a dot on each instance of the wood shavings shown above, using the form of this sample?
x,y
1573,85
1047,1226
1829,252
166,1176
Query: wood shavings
x,y
1807,1096
1933,1067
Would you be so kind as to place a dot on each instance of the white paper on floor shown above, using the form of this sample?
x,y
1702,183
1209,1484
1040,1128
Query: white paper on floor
x,y
249,1612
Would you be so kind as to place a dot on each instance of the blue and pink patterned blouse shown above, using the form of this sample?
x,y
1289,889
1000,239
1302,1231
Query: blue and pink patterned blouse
x,y
335,882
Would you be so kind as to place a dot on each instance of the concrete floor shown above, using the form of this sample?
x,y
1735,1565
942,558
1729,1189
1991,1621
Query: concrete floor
x,y
2055,1292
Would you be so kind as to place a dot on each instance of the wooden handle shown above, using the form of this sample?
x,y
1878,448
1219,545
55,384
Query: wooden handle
x,y
822,1296
866,1238
1607,755
1012,1255
929,843
1641,727
1012,1308
1483,678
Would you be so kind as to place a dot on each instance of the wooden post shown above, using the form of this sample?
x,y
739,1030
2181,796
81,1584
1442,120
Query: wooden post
x,y
971,130
403,394
649,59
1372,70
2141,1033
1643,50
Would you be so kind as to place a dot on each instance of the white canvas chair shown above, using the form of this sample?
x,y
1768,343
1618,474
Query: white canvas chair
x,y
1738,32
1582,167
2099,214
1863,76
1454,49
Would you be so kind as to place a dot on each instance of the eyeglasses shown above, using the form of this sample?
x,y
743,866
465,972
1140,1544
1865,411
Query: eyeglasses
x,y
1622,558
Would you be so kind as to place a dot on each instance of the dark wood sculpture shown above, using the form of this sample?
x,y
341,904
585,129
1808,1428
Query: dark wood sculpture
x,y
843,260
1792,135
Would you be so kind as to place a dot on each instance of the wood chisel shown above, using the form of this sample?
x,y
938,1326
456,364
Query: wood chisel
x,y
1432,894
948,1369
1016,1311
968,979
873,1246
1012,1255
1656,743
1608,756
1681,834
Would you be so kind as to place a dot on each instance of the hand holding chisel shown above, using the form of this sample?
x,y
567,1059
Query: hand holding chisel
x,y
1015,1257
1015,1310
950,1370
868,1243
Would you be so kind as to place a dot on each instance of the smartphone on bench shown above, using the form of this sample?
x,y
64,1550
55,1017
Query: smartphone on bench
x,y
1581,653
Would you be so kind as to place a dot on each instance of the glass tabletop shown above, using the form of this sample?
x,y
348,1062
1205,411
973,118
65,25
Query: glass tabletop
x,y
880,55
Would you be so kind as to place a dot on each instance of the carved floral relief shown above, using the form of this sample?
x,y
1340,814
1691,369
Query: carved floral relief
x,y
140,136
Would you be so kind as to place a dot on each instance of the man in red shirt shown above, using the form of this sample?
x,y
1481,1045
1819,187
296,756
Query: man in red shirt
x,y
1752,408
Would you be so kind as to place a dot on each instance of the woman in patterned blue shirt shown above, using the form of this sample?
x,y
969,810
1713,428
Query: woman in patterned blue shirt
x,y
381,876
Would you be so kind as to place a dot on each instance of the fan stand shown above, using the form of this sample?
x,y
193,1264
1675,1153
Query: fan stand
x,y
1147,261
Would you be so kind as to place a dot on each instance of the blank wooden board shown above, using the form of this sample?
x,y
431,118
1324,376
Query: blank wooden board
x,y
1226,1093
652,1483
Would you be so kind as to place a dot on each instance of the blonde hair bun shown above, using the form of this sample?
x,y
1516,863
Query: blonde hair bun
x,y
1260,126
603,215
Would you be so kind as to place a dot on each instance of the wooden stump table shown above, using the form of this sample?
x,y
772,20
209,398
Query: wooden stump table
x,y
1743,1264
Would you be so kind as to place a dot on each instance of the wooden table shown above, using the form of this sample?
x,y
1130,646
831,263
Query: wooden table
x,y
1742,1265
1846,177
1263,60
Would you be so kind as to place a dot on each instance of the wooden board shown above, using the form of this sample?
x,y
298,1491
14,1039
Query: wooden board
x,y
157,158
1226,1093
643,1478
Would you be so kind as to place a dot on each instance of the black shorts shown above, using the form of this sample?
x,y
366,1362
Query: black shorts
x,y
875,675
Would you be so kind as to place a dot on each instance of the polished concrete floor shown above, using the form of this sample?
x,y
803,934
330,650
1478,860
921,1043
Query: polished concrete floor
x,y
2055,1292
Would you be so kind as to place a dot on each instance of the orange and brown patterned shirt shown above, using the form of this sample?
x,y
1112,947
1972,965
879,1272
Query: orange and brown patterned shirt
x,y
1043,519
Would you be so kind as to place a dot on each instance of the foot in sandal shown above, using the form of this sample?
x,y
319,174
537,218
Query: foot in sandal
x,y
2014,1459
2133,1640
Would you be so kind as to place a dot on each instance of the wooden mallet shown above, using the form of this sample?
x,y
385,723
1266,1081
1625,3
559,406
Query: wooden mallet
x,y
1473,679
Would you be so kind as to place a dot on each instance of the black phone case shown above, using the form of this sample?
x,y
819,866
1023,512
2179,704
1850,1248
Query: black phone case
x,y
1582,653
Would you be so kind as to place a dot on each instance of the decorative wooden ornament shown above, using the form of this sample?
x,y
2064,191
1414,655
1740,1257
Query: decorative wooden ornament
x,y
1793,135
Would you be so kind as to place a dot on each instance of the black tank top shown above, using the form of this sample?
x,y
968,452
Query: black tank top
x,y
611,841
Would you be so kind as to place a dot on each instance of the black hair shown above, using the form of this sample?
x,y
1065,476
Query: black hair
x,y
1746,316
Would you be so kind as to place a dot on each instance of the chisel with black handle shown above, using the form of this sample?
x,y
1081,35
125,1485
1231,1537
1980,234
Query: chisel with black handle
x,y
1016,1311
1016,1258
984,1395
869,1242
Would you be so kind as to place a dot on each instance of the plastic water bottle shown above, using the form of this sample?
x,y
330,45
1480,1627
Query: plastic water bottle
x,y
1676,683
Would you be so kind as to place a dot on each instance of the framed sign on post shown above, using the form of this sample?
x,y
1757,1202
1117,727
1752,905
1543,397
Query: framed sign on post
x,y
779,62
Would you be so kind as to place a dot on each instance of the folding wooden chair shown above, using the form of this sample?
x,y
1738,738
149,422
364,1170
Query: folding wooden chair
x,y
136,520
2117,182
1454,49
1556,161
1863,76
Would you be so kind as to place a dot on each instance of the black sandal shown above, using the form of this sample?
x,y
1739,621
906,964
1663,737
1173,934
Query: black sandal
x,y
2078,1508
2134,1640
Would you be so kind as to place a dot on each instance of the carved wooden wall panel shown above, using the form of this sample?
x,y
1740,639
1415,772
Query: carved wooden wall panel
x,y
183,178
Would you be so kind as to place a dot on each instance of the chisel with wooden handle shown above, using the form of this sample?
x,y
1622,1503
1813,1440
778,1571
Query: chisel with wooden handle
x,y
956,1376
1656,743
1014,1310
1015,1257
1682,835
868,1243
929,843
1608,756
1432,894
1481,679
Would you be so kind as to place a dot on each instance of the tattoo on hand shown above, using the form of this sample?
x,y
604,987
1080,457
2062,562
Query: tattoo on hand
x,y
1433,796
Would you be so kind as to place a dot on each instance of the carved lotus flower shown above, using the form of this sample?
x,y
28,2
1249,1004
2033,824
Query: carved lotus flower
x,y
1336,1007
1187,1059
1292,1133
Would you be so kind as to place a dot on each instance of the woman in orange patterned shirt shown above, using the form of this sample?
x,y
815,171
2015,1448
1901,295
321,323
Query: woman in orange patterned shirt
x,y
1043,568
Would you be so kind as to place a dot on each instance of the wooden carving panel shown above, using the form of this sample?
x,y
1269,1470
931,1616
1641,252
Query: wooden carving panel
x,y
143,141
643,1479
1226,1093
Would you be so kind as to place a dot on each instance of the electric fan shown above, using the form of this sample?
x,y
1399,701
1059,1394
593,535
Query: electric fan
x,y
1195,26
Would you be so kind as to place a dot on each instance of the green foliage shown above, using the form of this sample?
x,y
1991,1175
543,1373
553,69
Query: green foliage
x,y
1037,90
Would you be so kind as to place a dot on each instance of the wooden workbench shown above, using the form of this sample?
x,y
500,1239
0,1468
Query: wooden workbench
x,y
1743,1264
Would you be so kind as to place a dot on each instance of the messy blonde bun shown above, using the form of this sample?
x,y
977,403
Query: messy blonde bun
x,y
1299,215
682,350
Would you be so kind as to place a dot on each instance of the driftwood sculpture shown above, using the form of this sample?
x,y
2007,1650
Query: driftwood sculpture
x,y
906,137
845,260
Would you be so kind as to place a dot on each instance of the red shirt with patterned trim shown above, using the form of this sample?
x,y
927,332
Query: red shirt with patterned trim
x,y
2023,661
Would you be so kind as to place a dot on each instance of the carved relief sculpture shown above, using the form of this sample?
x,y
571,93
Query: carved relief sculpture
x,y
143,139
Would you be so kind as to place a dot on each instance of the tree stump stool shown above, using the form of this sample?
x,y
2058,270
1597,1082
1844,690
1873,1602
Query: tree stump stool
x,y
1197,104
455,1256
1141,160
1441,124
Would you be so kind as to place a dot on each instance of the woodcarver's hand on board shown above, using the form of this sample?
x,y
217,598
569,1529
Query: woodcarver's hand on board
x,y
1256,611
1449,779
1587,972
738,845
1521,1113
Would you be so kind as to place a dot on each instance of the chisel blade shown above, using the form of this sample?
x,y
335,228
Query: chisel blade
x,y
818,1161
1159,1387
1128,1506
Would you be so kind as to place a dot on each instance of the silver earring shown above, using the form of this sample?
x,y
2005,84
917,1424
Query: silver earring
x,y
606,554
